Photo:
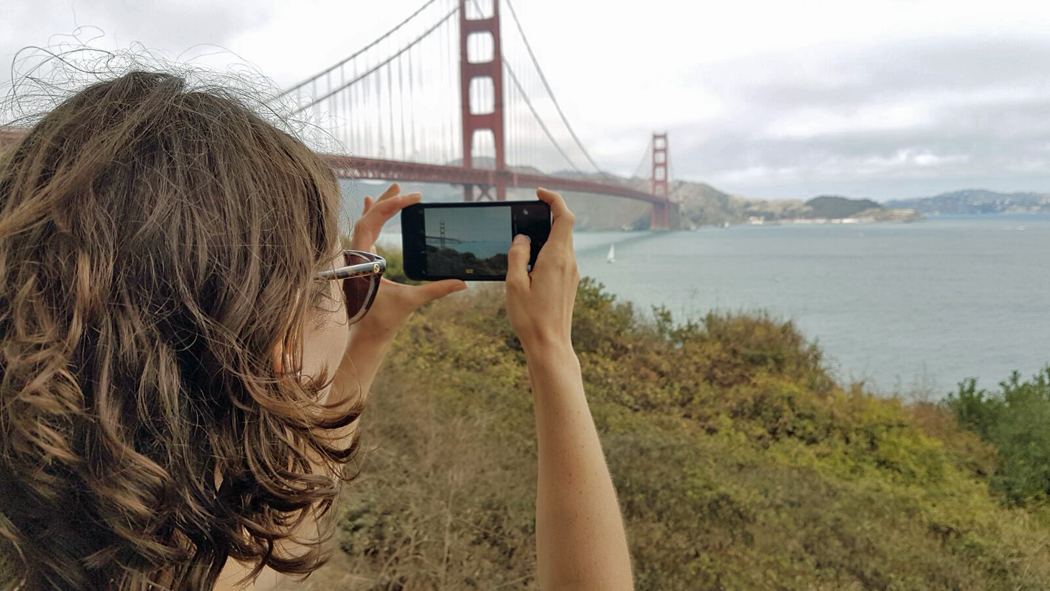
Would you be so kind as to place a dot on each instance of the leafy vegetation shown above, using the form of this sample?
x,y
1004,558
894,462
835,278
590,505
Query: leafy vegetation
x,y
738,460
1016,420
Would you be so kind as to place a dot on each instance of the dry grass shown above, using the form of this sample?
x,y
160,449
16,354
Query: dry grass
x,y
739,464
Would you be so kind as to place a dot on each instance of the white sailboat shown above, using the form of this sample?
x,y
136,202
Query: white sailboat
x,y
612,254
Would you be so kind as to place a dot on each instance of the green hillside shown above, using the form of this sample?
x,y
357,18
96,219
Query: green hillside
x,y
739,461
835,207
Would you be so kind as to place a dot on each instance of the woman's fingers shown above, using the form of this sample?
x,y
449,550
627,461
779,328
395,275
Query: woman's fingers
x,y
424,294
384,210
539,305
392,191
563,219
558,207
378,213
411,297
518,263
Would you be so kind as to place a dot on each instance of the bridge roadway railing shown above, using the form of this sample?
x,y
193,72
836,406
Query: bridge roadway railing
x,y
664,211
393,170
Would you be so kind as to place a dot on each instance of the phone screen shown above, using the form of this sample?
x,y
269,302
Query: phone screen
x,y
469,240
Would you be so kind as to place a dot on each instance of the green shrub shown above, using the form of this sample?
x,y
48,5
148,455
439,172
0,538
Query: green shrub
x,y
738,462
1016,419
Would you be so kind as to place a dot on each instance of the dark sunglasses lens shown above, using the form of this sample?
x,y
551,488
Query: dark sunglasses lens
x,y
359,291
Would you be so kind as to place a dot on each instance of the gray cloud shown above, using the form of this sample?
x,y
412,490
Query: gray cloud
x,y
165,26
957,110
176,25
885,70
883,119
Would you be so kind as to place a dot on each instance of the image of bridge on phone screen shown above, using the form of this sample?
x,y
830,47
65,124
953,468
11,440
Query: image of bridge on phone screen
x,y
467,240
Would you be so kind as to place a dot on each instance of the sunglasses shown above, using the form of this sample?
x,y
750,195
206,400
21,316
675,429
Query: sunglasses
x,y
361,276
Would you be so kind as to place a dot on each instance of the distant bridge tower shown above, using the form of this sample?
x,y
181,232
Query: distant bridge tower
x,y
661,215
491,71
441,239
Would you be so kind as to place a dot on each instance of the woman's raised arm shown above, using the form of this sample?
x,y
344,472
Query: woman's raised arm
x,y
580,539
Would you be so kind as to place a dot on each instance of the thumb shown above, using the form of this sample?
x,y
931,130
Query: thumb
x,y
518,262
437,290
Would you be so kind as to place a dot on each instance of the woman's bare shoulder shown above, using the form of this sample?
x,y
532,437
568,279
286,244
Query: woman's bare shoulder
x,y
234,571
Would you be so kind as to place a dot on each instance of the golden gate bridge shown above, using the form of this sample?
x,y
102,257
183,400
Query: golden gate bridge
x,y
427,102
443,97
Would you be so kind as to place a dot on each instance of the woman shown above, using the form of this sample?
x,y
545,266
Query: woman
x,y
185,350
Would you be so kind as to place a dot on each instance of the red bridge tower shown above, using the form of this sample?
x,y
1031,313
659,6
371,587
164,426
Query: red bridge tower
x,y
661,215
492,71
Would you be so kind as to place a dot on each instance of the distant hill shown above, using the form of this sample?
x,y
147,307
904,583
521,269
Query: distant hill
x,y
836,207
701,204
973,201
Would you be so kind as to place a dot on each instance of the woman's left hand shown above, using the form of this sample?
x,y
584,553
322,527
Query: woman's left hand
x,y
395,302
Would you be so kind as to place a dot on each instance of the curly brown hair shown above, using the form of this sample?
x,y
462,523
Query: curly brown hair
x,y
157,244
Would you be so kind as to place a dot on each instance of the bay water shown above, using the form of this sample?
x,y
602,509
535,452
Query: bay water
x,y
911,309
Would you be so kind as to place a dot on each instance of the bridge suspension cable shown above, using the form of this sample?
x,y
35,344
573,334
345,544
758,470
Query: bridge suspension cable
x,y
361,100
375,68
547,86
357,53
644,169
525,136
543,126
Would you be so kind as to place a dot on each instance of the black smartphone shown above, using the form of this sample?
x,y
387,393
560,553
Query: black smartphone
x,y
469,241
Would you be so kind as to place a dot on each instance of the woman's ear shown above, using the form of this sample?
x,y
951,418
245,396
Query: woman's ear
x,y
282,360
278,359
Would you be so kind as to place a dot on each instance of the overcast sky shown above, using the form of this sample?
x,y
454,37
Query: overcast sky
x,y
764,98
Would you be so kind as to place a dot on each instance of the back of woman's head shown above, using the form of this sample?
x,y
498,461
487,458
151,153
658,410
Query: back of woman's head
x,y
157,244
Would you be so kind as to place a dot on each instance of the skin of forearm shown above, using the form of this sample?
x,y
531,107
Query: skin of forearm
x,y
354,376
580,538
364,356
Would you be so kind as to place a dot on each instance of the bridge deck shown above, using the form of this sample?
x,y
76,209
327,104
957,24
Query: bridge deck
x,y
394,170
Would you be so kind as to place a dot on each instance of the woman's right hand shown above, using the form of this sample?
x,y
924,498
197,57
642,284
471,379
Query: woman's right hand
x,y
580,539
539,304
